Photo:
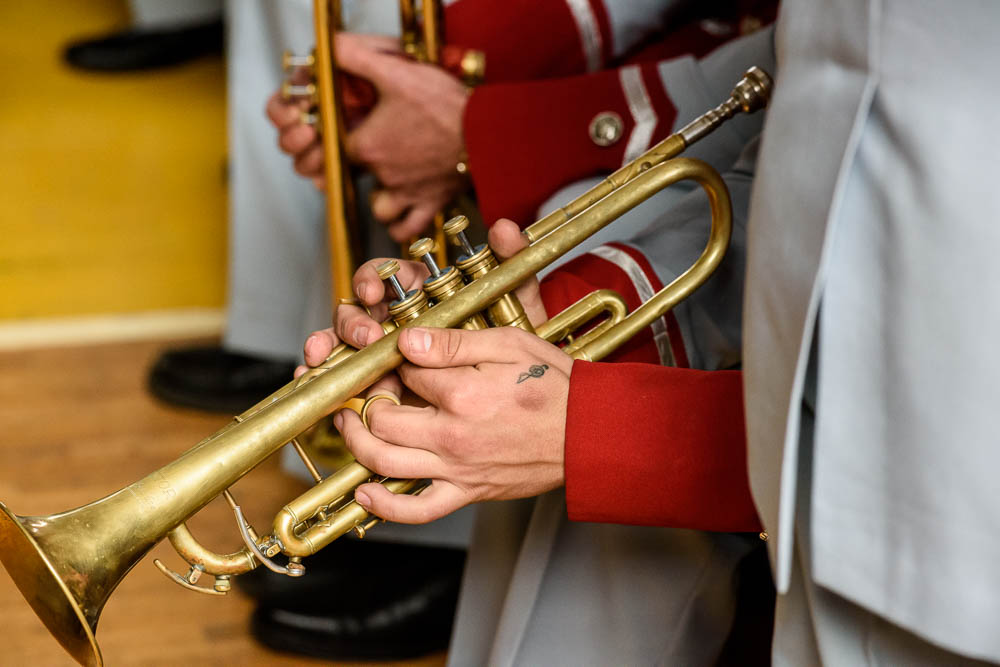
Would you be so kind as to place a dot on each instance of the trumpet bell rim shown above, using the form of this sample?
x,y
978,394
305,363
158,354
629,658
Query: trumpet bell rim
x,y
40,584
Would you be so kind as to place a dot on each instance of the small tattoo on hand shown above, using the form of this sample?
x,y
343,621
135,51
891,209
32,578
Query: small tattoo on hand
x,y
533,372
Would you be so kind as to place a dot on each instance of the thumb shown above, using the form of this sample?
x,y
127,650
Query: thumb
x,y
447,348
507,240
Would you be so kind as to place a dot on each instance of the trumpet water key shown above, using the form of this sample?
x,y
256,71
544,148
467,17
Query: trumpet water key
x,y
67,565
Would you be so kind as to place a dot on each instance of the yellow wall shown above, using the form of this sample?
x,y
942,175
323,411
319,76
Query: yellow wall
x,y
112,194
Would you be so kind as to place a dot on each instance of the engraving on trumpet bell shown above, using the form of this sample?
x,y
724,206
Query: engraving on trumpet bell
x,y
153,499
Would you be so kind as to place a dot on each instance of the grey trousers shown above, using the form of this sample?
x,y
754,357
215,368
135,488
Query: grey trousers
x,y
277,241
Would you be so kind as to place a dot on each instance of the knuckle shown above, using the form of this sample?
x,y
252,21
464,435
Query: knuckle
x,y
383,464
450,437
377,425
425,515
304,163
350,440
341,323
386,511
458,399
390,177
451,344
365,147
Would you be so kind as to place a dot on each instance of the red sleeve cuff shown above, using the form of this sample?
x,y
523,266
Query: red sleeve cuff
x,y
657,446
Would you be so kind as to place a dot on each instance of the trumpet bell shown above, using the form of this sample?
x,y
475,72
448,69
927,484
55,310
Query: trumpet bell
x,y
38,578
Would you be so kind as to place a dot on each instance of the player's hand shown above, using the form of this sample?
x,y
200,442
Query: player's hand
x,y
493,427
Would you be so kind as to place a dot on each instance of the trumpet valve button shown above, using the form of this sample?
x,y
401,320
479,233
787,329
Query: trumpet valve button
x,y
423,250
290,61
421,247
454,229
387,271
223,584
290,91
456,226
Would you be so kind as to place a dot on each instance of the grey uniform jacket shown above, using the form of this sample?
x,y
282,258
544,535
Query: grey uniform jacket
x,y
872,241
540,590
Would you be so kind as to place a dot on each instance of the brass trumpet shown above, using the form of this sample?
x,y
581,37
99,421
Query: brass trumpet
x,y
67,565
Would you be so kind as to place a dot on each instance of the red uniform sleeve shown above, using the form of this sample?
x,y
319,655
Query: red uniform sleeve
x,y
649,444
526,140
657,446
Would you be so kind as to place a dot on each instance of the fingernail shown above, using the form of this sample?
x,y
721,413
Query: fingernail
x,y
419,340
362,498
312,339
338,420
363,292
361,335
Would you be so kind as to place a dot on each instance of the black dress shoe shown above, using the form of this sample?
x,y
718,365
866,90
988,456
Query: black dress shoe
x,y
138,49
214,379
360,600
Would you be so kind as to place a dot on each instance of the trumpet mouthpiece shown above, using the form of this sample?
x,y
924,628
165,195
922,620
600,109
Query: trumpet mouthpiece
x,y
750,94
753,91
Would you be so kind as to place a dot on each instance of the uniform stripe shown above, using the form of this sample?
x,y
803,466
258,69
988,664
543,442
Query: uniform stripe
x,y
673,327
641,109
644,288
590,33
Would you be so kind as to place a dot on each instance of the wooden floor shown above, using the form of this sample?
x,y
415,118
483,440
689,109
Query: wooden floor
x,y
112,188
75,425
